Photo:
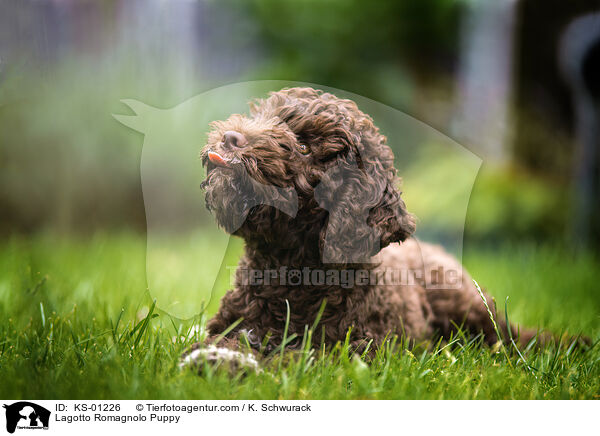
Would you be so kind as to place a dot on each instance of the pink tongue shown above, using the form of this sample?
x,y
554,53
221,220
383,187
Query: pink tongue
x,y
217,159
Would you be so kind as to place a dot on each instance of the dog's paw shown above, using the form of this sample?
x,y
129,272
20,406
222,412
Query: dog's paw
x,y
216,357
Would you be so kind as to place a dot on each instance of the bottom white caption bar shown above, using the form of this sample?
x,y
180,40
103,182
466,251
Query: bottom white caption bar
x,y
297,417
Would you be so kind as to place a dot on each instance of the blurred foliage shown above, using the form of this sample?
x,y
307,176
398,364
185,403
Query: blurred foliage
x,y
376,49
509,203
437,192
67,165
543,147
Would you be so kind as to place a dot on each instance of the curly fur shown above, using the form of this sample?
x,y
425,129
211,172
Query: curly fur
x,y
302,140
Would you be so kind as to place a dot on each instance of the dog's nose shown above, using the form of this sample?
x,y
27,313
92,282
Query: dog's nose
x,y
234,139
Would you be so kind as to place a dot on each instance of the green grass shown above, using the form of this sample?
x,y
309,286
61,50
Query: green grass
x,y
76,321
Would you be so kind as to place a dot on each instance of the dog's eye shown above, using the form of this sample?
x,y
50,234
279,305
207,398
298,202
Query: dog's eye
x,y
303,149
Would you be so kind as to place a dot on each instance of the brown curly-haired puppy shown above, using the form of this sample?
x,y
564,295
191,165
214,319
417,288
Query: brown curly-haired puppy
x,y
309,183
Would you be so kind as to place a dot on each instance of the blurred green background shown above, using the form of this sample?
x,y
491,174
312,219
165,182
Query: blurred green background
x,y
512,83
486,74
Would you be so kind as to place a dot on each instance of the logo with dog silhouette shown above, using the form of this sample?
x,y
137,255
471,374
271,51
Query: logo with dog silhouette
x,y
26,415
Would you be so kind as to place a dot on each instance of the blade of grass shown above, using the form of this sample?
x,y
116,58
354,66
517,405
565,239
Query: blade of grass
x,y
116,326
43,315
489,311
285,331
227,330
512,341
145,324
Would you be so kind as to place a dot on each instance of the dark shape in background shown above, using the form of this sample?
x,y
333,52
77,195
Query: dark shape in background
x,y
580,61
547,139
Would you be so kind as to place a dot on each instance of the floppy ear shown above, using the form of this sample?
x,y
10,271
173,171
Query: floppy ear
x,y
366,212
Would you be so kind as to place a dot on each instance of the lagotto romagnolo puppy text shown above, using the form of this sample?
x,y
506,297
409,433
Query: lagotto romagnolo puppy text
x,y
308,181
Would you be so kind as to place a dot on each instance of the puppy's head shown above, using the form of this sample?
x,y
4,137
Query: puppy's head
x,y
305,146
